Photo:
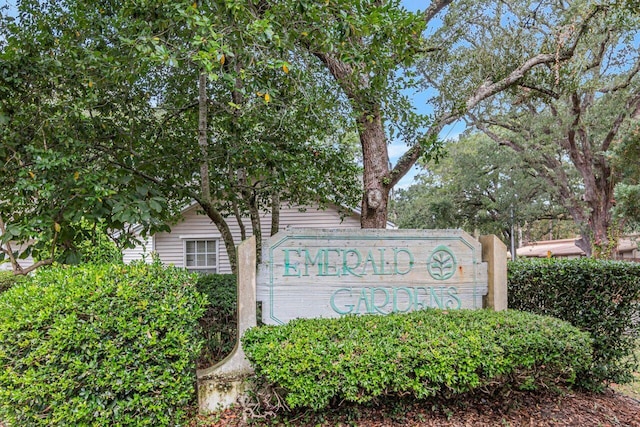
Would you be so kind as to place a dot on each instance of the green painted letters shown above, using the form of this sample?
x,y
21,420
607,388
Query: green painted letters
x,y
346,268
346,262
367,301
348,307
396,252
287,263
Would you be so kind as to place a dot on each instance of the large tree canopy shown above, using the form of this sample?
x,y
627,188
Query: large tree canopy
x,y
569,113
478,187
373,48
140,107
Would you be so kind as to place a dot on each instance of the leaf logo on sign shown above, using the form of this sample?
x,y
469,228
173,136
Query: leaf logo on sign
x,y
442,263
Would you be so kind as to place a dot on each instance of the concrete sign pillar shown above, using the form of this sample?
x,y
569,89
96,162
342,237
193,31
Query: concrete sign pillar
x,y
494,253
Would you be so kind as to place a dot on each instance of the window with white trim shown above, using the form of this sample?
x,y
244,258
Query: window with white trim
x,y
201,255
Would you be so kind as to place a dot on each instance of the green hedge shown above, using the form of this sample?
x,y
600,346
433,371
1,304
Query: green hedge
x,y
219,322
99,345
597,296
422,354
8,279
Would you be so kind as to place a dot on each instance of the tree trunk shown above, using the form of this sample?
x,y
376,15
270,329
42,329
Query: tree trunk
x,y
254,213
275,212
205,189
376,186
376,179
596,229
216,217
243,229
203,140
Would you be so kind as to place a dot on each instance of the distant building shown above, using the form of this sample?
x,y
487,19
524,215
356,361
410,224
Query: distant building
x,y
566,248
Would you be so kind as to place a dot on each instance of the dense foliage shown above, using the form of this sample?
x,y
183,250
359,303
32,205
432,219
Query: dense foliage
x,y
8,279
421,354
480,186
563,121
99,345
219,322
95,98
626,209
64,98
95,246
601,297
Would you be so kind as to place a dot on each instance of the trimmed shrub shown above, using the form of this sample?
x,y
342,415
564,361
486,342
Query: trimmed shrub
x,y
219,322
8,279
99,249
597,296
422,354
99,345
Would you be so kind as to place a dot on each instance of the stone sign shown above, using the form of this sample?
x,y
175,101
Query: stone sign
x,y
330,273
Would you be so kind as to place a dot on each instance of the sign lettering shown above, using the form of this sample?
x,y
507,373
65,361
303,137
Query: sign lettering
x,y
330,273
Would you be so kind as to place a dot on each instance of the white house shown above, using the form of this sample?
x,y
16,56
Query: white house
x,y
5,265
196,243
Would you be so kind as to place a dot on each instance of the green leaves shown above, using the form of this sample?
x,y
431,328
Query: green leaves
x,y
66,101
219,323
600,297
8,279
107,345
477,185
424,353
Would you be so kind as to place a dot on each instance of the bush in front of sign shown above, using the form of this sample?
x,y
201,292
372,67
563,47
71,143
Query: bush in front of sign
x,y
598,296
99,345
422,354
219,323
8,279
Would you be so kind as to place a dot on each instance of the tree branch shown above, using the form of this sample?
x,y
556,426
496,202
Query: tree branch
x,y
25,271
434,8
484,91
340,71
624,84
633,106
572,147
543,91
494,136
597,60
16,267
202,137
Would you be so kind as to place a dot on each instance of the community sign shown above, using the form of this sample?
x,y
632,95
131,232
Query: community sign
x,y
330,273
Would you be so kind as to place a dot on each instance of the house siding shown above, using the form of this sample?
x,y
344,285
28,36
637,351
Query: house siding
x,y
139,252
24,263
170,246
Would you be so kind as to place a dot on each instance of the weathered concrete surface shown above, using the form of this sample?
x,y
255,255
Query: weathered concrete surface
x,y
494,253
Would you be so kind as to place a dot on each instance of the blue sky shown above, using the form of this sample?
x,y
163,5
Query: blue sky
x,y
396,148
